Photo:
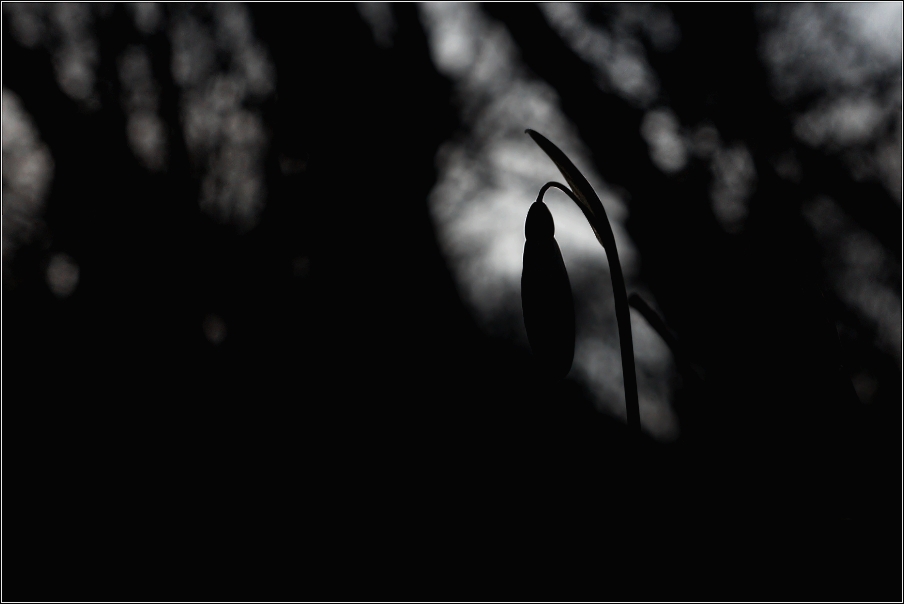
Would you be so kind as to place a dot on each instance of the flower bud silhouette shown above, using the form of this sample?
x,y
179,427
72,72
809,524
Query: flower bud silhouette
x,y
546,295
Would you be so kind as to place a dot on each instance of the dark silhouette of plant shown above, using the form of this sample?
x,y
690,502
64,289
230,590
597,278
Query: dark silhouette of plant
x,y
587,200
546,295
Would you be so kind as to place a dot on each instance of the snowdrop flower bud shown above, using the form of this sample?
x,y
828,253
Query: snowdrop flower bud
x,y
546,295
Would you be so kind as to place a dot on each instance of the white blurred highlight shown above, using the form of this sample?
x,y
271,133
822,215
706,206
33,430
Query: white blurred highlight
x,y
810,47
75,55
861,272
224,132
840,123
145,131
661,130
62,275
734,179
616,53
840,53
147,16
27,174
378,16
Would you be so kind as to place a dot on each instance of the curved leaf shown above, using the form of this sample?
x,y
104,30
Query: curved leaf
x,y
587,198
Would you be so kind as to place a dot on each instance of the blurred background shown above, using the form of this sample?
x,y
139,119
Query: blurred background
x,y
262,328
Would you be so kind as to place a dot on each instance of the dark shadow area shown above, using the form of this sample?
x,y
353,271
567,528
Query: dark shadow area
x,y
237,364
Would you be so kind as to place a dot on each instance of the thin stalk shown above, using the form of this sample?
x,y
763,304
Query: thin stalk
x,y
599,222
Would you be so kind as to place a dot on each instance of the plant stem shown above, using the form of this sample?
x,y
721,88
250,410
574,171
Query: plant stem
x,y
603,230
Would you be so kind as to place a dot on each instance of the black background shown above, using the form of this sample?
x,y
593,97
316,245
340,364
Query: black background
x,y
356,435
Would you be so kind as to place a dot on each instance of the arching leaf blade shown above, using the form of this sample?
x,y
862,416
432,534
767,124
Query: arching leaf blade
x,y
590,203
